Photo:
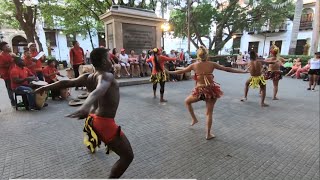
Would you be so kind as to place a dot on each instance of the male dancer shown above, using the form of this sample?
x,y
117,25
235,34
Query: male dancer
x,y
256,80
274,72
101,107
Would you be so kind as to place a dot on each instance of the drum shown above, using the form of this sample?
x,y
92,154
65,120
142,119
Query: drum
x,y
86,69
187,75
64,93
40,99
179,76
70,73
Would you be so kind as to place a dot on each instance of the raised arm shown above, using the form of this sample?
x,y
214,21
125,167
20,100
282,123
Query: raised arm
x,y
80,81
227,69
187,69
104,82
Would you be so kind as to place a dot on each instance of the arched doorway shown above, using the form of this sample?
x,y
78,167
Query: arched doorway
x,y
18,43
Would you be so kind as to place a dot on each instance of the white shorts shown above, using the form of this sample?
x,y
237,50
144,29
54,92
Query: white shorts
x,y
125,64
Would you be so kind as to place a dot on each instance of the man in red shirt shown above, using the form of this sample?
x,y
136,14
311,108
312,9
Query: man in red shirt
x,y
76,58
50,77
29,61
6,62
38,67
20,78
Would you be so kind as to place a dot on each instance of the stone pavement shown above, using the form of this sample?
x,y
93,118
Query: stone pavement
x,y
278,142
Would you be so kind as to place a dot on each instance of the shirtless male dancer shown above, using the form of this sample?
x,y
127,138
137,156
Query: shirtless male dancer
x,y
100,107
257,79
274,72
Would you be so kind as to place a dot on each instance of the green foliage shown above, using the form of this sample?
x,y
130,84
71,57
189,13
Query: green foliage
x,y
7,15
229,18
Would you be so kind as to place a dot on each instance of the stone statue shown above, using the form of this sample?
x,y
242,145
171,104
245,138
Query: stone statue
x,y
306,49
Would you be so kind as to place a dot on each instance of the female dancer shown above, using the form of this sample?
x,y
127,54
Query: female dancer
x,y
274,72
158,74
314,71
206,89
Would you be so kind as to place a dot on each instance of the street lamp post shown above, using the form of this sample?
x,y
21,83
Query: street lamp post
x,y
233,38
165,28
189,17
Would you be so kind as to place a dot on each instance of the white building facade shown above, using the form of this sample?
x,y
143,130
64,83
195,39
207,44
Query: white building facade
x,y
55,42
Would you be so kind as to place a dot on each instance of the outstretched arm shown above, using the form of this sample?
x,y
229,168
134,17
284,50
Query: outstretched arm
x,y
187,69
80,81
165,58
227,69
104,82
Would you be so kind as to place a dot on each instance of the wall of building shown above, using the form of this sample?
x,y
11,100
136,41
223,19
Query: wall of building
x,y
61,51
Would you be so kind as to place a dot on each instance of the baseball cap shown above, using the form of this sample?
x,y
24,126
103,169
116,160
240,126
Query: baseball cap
x,y
122,49
144,52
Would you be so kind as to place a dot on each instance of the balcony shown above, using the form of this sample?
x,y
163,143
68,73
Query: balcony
x,y
305,25
268,29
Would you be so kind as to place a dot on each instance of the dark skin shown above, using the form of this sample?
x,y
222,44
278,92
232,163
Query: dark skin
x,y
255,68
103,101
20,81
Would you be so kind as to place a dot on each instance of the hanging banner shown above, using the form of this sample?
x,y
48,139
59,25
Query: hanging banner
x,y
277,6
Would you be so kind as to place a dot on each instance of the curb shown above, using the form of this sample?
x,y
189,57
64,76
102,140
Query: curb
x,y
132,83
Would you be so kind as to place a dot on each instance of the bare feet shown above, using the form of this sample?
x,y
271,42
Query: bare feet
x,y
194,121
163,100
264,105
210,136
154,97
275,98
243,99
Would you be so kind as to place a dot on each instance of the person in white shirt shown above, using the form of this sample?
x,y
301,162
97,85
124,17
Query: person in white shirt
x,y
87,57
314,71
187,58
246,57
124,61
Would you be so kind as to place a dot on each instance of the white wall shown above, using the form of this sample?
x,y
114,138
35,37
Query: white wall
x,y
61,52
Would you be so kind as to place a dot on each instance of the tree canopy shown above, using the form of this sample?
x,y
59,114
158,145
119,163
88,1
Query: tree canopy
x,y
229,18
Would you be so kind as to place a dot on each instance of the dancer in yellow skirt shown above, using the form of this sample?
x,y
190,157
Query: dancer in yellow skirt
x,y
257,79
158,71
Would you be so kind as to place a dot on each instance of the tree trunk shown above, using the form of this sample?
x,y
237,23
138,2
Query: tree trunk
x,y
295,27
316,29
89,32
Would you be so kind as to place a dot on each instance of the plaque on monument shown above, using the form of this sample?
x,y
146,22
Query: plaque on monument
x,y
138,37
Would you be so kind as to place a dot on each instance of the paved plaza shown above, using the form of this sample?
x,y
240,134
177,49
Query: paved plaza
x,y
277,142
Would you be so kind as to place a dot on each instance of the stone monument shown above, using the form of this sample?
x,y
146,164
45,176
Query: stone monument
x,y
132,28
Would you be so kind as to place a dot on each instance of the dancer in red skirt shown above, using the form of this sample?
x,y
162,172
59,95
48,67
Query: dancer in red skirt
x,y
206,89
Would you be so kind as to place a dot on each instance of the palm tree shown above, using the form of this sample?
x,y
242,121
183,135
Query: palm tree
x,y
316,29
295,27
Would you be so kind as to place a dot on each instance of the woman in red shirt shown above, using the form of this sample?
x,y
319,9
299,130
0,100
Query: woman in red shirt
x,y
158,74
50,73
6,63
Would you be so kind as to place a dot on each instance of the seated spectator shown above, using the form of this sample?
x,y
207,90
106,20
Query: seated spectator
x,y
115,62
171,67
286,67
123,59
134,63
29,61
304,69
49,73
295,67
143,64
20,81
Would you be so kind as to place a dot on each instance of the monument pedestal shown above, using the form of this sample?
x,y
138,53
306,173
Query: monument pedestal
x,y
132,28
